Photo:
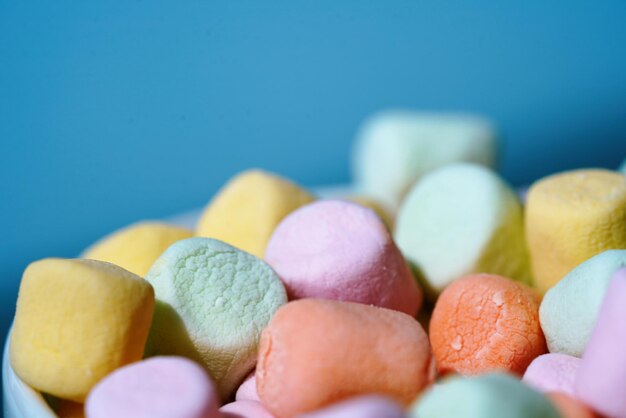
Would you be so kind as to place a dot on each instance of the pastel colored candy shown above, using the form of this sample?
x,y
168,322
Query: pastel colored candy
x,y
340,250
137,246
572,216
362,407
247,390
395,149
601,377
75,322
160,387
553,372
245,409
570,407
246,210
483,323
462,219
486,396
569,310
213,300
317,352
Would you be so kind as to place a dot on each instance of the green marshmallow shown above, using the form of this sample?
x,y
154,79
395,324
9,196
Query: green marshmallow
x,y
569,310
494,395
213,301
396,148
462,219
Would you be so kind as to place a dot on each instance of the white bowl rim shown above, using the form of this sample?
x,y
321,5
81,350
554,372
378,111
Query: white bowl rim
x,y
19,399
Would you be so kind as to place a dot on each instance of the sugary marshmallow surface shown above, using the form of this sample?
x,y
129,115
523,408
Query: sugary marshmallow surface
x,y
486,396
340,250
160,387
462,219
601,378
395,149
137,246
317,352
553,372
76,321
482,323
570,309
246,210
213,301
371,406
245,409
572,216
247,390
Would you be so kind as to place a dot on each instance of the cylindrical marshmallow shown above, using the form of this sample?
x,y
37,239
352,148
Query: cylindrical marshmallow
x,y
396,148
462,219
340,250
553,372
137,246
160,387
213,301
371,406
601,379
245,409
570,309
483,323
317,352
247,390
572,216
485,396
75,322
246,210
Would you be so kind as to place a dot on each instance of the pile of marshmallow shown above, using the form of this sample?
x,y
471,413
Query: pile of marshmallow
x,y
434,291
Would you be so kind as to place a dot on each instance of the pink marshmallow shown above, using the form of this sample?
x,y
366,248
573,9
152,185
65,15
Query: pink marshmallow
x,y
361,407
247,390
245,409
553,372
340,250
160,387
601,380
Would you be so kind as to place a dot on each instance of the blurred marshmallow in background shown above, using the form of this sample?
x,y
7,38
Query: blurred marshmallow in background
x,y
396,148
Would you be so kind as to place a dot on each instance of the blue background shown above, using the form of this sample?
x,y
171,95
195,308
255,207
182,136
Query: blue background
x,y
120,110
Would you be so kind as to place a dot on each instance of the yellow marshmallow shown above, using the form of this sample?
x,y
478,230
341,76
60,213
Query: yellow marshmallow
x,y
137,246
572,216
76,321
248,208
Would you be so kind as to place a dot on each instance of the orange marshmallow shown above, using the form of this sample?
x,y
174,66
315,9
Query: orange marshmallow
x,y
316,352
485,322
569,407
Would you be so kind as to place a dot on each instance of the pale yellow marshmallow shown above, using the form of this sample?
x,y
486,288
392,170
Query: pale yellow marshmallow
x,y
137,246
76,321
248,208
572,216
